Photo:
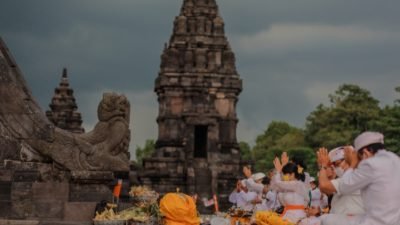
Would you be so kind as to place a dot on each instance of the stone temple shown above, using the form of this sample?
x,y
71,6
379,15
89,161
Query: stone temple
x,y
64,111
197,88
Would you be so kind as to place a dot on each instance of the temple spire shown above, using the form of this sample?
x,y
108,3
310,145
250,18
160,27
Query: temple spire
x,y
63,107
198,43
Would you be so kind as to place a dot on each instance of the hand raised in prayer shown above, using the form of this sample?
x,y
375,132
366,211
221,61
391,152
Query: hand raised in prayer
x,y
284,158
278,165
350,156
323,157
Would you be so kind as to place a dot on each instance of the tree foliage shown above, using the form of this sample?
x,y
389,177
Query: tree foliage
x,y
144,152
389,125
245,151
352,110
278,137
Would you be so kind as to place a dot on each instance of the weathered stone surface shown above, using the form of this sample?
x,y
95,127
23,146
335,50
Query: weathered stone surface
x,y
5,209
198,88
64,110
50,191
19,222
22,205
5,191
29,136
89,193
49,173
48,209
79,211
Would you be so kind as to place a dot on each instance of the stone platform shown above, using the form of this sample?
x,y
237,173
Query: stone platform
x,y
40,192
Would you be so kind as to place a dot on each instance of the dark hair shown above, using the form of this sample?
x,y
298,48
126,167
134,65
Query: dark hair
x,y
266,180
298,161
293,168
374,148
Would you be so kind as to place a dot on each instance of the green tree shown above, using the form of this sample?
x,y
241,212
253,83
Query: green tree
x,y
352,110
389,125
278,137
144,152
245,151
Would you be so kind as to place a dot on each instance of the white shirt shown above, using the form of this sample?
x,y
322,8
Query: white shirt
x,y
312,220
291,193
271,201
348,204
243,199
318,199
252,186
378,179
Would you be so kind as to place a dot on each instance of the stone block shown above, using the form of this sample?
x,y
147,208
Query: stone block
x,y
19,222
5,175
26,176
79,211
21,200
92,176
89,193
49,209
54,191
5,208
5,191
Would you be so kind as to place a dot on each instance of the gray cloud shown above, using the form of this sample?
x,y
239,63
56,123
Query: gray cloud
x,y
290,54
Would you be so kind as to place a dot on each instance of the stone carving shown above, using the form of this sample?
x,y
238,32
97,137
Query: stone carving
x,y
63,111
211,61
171,59
33,138
201,59
181,25
188,60
4,71
229,62
192,26
208,27
104,148
218,26
201,25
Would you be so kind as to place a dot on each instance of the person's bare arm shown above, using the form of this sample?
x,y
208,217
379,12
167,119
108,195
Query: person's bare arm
x,y
325,185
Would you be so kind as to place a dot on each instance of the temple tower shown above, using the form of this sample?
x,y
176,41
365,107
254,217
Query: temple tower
x,y
63,109
197,89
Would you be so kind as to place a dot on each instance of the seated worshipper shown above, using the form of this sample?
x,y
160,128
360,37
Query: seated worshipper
x,y
255,183
179,209
313,213
317,198
371,171
241,197
271,201
292,192
348,204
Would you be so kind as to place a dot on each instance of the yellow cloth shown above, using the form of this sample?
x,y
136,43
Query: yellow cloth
x,y
270,218
179,209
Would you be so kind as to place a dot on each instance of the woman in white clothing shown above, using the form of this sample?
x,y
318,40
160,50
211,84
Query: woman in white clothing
x,y
292,191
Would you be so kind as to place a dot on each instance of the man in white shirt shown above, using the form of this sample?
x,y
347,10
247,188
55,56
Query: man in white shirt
x,y
241,197
347,204
371,171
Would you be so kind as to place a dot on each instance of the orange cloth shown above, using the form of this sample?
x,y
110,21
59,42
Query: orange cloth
x,y
179,209
292,207
117,189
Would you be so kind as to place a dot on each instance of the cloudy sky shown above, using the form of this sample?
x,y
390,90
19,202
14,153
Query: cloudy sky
x,y
290,54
